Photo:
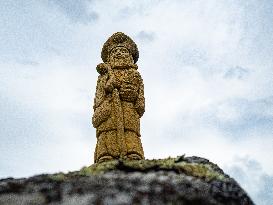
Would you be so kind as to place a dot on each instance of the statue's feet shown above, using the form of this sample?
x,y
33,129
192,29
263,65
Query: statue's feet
x,y
105,159
133,157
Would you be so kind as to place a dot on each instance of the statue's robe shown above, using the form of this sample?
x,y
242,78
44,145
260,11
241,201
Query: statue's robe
x,y
132,104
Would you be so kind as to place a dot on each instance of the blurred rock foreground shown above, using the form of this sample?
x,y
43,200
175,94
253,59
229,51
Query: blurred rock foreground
x,y
181,180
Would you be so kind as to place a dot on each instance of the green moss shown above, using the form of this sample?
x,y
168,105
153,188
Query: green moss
x,y
204,171
58,177
99,168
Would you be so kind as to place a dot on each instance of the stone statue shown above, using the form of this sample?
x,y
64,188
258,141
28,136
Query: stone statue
x,y
119,101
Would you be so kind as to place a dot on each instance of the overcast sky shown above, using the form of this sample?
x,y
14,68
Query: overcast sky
x,y
208,74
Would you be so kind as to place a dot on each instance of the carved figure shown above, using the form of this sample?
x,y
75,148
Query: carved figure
x,y
119,101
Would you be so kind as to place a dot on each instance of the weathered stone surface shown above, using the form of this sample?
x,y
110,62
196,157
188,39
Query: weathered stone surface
x,y
119,101
181,180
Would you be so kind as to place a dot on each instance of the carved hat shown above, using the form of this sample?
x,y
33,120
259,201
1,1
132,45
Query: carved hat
x,y
119,39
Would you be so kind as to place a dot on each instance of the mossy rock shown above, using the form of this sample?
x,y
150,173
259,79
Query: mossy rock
x,y
180,180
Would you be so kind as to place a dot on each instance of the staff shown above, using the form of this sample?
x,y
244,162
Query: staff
x,y
118,113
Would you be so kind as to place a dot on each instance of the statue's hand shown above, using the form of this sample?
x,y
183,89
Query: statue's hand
x,y
111,84
102,68
128,93
116,83
109,87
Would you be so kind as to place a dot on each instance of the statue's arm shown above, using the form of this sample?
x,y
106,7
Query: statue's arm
x,y
101,105
111,83
140,102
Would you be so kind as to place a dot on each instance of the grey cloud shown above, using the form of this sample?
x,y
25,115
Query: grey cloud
x,y
146,36
76,11
249,173
19,128
125,12
141,8
236,72
131,10
192,56
256,114
30,30
247,118
258,26
265,194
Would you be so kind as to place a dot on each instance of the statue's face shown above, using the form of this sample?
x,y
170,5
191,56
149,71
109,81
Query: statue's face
x,y
120,57
120,52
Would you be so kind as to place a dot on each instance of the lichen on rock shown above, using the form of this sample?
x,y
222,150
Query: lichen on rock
x,y
206,170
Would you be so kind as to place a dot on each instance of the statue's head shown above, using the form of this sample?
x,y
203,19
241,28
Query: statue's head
x,y
120,57
119,50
